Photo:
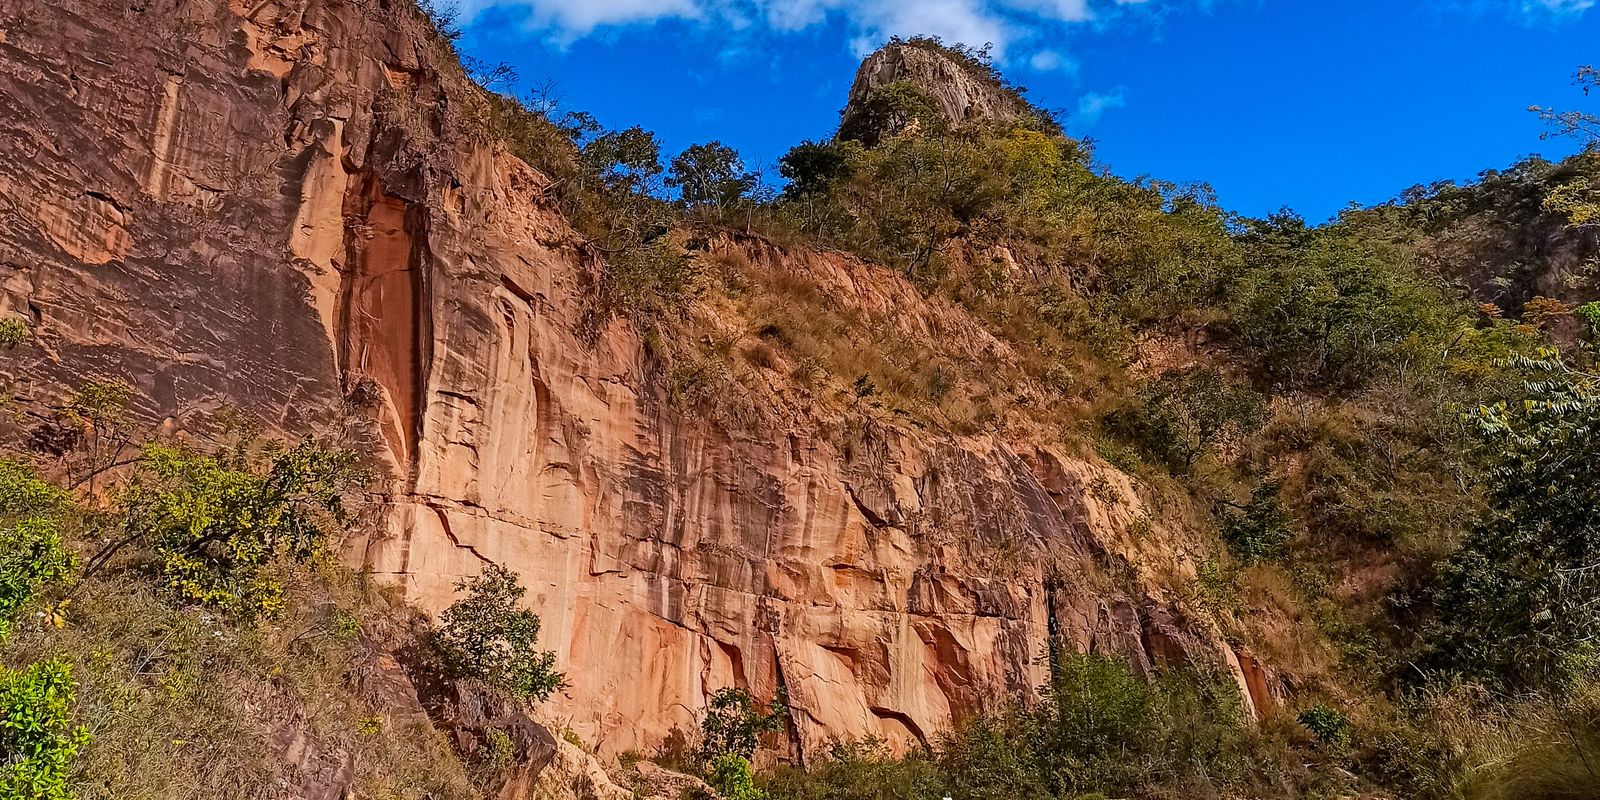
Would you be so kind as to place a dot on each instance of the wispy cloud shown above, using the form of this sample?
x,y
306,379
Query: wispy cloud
x,y
1557,8
1002,23
1094,105
1052,61
1530,11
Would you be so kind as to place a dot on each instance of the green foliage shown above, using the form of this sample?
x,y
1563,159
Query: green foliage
x,y
1188,414
486,636
626,160
862,770
38,742
344,624
1327,724
100,403
1589,314
812,167
608,184
734,723
13,331
222,530
1102,729
889,110
1329,306
32,556
732,777
1260,530
994,757
1096,717
1516,602
710,174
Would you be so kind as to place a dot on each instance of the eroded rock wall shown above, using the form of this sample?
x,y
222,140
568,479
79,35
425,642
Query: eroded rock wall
x,y
280,205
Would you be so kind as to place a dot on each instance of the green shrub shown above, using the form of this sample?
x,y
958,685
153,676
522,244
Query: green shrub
x,y
1330,306
1327,724
734,723
862,770
31,553
221,530
38,742
733,778
1260,530
1187,415
995,757
1096,719
889,110
486,636
13,331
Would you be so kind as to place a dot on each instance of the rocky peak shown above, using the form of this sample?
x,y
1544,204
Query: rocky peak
x,y
955,86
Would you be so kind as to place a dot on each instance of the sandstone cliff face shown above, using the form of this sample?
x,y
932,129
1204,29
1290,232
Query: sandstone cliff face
x,y
280,205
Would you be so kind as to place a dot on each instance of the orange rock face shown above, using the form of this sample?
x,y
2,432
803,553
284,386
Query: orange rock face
x,y
272,205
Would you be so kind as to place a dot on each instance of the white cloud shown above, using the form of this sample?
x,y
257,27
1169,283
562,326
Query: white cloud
x,y
1052,61
1556,8
1528,11
1003,23
1094,105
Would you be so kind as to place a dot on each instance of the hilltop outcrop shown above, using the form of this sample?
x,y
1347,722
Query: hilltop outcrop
x,y
959,87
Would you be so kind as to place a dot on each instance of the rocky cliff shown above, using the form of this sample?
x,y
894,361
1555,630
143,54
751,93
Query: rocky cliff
x,y
959,85
294,207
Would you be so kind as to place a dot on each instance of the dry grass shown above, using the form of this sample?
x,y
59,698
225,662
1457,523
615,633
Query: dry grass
x,y
184,704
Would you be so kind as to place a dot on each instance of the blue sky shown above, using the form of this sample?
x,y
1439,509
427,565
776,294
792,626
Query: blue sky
x,y
1304,104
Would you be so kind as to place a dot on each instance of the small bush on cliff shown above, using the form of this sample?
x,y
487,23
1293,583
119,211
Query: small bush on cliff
x,y
13,331
734,723
38,742
1260,530
486,636
221,529
1187,415
889,110
1327,724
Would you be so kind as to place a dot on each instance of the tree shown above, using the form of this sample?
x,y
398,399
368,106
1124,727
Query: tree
x,y
1261,529
734,723
486,636
1582,125
1188,414
1332,306
220,530
813,167
1519,603
710,174
628,160
1579,198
